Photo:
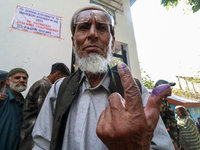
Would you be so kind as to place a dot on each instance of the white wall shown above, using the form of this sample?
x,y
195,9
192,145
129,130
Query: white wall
x,y
36,53
125,34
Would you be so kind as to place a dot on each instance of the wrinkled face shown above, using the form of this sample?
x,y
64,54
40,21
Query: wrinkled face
x,y
17,82
92,34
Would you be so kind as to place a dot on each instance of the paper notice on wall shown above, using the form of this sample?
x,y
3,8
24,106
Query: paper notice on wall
x,y
31,20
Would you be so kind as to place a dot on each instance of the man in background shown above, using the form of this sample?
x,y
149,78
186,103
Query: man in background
x,y
34,101
197,124
11,117
3,85
168,116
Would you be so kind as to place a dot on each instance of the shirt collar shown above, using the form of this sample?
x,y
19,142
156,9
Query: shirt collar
x,y
83,76
104,82
12,96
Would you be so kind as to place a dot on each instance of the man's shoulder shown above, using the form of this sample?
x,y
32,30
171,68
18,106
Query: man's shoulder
x,y
59,81
36,87
10,96
68,84
39,83
74,77
56,86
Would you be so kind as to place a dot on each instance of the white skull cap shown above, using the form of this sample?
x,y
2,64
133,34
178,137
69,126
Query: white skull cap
x,y
87,7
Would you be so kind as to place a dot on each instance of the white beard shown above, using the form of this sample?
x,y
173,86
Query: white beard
x,y
95,63
16,88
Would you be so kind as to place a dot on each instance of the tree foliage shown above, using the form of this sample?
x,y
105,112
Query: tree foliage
x,y
191,90
115,63
195,4
146,79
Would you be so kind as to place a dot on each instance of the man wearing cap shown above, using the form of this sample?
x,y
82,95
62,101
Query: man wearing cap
x,y
34,101
3,85
11,109
97,108
168,116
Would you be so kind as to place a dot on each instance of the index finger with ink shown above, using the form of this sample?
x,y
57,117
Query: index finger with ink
x,y
133,100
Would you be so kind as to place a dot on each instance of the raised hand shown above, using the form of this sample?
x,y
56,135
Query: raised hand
x,y
125,124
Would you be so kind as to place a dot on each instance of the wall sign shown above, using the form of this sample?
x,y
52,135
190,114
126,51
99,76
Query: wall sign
x,y
35,21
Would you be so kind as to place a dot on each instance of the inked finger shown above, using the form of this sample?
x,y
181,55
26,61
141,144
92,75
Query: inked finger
x,y
152,109
133,100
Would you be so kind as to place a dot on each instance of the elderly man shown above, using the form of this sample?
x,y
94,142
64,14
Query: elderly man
x,y
11,109
34,101
96,108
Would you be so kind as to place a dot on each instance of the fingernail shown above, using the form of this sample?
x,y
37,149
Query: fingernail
x,y
159,89
121,65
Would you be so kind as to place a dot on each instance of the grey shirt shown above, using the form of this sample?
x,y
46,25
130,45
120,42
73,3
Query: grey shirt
x,y
82,133
84,115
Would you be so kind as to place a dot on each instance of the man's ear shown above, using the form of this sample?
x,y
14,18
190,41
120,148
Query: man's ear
x,y
8,81
113,44
57,74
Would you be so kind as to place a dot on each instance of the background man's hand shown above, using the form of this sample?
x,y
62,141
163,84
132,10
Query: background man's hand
x,y
3,96
125,124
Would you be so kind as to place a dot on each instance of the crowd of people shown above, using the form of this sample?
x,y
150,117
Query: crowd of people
x,y
95,108
182,129
18,115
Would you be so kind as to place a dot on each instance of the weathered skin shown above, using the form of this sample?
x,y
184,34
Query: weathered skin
x,y
130,127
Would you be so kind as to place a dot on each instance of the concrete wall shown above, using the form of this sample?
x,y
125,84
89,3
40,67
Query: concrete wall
x,y
125,34
36,53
